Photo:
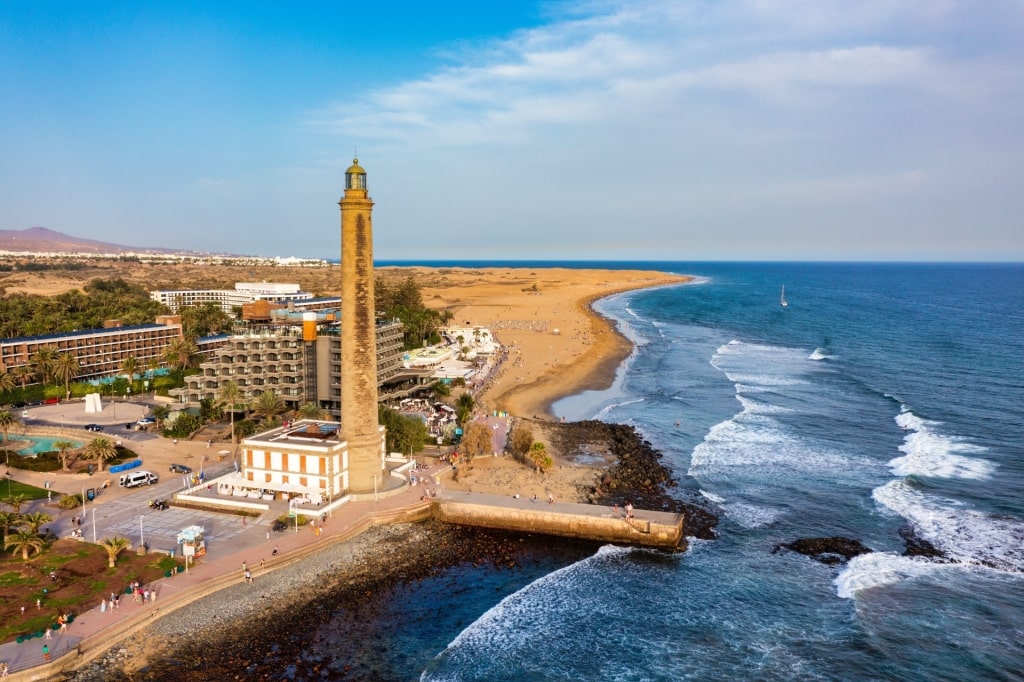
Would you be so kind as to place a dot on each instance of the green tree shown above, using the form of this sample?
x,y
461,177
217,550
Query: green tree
x,y
44,362
540,457
244,428
66,368
114,547
24,374
441,390
464,407
181,353
14,502
520,441
7,422
130,365
160,413
24,541
62,447
8,519
269,404
310,411
8,382
35,520
202,320
231,396
476,440
100,449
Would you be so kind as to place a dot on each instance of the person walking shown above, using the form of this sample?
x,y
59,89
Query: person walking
x,y
46,653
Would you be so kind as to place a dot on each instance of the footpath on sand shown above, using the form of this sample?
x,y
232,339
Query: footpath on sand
x,y
94,631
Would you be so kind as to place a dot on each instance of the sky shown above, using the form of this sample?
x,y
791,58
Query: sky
x,y
853,130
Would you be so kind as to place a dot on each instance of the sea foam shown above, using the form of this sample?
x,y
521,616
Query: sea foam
x,y
967,536
930,453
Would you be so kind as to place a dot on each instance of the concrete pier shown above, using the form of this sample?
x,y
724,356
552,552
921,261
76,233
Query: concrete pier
x,y
663,530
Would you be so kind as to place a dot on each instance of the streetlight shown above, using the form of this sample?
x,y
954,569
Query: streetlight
x,y
142,538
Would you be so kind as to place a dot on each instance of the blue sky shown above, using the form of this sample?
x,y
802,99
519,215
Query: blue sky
x,y
669,130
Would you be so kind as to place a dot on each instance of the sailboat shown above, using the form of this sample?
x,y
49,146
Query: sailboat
x,y
782,298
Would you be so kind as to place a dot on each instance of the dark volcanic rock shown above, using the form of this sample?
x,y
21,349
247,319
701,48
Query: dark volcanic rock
x,y
638,476
920,547
832,550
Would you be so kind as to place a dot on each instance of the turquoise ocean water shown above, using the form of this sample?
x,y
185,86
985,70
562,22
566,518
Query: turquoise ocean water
x,y
883,397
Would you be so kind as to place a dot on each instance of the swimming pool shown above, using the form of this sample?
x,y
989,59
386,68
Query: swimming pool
x,y
42,444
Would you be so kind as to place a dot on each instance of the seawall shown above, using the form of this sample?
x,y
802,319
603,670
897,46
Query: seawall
x,y
663,530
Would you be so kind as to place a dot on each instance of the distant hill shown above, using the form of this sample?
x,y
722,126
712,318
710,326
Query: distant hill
x,y
45,240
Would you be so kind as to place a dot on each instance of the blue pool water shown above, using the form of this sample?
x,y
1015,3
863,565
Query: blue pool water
x,y
42,444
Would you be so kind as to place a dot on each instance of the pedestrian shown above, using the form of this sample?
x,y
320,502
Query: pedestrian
x,y
23,610
49,634
551,498
103,606
245,566
261,563
46,653
273,553
39,603
616,510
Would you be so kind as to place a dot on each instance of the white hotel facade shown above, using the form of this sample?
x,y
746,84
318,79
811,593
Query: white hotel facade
x,y
227,299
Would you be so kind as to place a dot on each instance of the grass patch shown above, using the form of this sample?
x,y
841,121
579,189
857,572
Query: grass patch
x,y
12,488
13,579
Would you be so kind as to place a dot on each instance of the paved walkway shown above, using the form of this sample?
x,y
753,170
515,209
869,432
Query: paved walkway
x,y
96,629
126,512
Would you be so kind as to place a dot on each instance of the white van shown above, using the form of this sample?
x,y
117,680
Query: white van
x,y
137,478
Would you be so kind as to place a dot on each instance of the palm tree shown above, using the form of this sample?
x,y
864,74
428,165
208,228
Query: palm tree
x,y
24,374
36,519
14,502
160,413
101,449
7,422
230,395
7,382
114,547
181,353
67,368
43,363
62,447
24,541
130,365
269,404
8,519
310,411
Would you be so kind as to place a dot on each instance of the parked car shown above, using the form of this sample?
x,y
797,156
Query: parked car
x,y
146,421
93,427
181,469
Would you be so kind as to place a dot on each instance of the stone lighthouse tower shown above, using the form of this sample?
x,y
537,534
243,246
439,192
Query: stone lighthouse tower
x,y
359,424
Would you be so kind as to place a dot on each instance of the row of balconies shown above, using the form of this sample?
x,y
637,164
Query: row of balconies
x,y
224,356
231,370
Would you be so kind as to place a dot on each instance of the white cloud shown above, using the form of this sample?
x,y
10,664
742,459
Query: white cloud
x,y
799,106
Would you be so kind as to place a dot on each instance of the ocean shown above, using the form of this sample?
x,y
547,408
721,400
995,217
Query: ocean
x,y
883,398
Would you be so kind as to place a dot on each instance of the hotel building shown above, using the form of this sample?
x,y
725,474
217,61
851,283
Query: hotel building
x,y
228,299
100,352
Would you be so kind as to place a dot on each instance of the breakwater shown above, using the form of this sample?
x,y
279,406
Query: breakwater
x,y
663,530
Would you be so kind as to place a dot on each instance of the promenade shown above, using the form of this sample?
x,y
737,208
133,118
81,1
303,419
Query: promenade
x,y
126,512
94,631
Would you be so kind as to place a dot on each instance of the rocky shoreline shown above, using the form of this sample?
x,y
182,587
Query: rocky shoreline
x,y
637,476
254,632
257,631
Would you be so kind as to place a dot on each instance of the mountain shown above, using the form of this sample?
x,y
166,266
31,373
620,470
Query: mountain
x,y
44,240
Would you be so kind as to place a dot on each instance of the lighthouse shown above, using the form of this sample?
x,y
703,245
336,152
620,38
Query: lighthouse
x,y
359,425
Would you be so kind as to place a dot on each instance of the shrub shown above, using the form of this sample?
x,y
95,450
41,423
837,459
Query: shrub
x,y
70,501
